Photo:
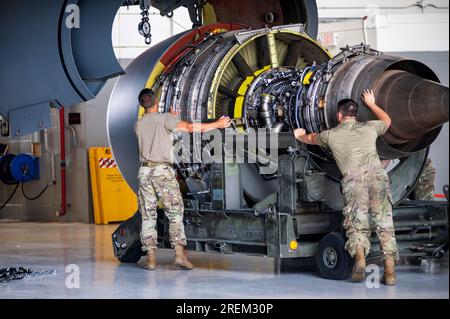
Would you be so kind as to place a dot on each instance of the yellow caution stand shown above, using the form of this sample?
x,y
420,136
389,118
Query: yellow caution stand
x,y
113,199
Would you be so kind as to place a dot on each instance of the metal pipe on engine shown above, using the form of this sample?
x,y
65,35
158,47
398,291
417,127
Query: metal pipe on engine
x,y
265,114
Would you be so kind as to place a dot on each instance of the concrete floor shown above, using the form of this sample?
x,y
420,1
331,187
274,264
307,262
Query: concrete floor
x,y
45,246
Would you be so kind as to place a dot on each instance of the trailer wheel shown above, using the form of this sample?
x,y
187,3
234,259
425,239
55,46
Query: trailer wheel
x,y
332,259
132,256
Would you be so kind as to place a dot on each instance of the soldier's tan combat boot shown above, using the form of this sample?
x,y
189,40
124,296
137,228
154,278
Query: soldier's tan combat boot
x,y
150,263
359,269
389,278
181,260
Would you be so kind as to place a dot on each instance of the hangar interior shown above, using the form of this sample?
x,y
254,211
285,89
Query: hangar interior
x,y
57,218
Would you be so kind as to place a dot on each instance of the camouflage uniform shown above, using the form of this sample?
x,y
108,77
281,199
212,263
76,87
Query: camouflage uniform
x,y
425,188
159,183
365,184
368,206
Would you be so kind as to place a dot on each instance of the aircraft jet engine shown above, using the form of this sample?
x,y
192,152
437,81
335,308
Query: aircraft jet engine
x,y
281,79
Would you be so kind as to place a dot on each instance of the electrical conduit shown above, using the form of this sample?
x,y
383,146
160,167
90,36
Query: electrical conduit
x,y
62,138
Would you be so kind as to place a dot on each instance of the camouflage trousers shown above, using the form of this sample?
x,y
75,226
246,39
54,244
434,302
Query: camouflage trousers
x,y
368,208
159,184
425,187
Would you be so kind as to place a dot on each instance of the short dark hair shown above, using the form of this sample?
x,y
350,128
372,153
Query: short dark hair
x,y
348,107
147,93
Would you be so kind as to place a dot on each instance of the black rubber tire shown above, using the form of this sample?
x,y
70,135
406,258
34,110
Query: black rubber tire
x,y
343,264
132,256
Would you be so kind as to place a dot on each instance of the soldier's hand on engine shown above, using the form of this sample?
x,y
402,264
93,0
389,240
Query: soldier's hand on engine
x,y
223,122
299,133
368,97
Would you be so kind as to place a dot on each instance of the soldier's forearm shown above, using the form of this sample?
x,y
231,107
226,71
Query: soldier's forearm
x,y
310,139
196,127
203,127
380,113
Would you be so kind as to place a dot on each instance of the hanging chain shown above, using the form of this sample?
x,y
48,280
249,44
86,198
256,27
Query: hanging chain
x,y
9,274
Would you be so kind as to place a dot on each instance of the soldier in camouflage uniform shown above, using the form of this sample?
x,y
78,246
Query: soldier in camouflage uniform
x,y
365,183
157,178
368,207
159,183
425,187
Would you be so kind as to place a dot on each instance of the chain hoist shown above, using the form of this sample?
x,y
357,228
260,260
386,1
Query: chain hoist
x,y
145,28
